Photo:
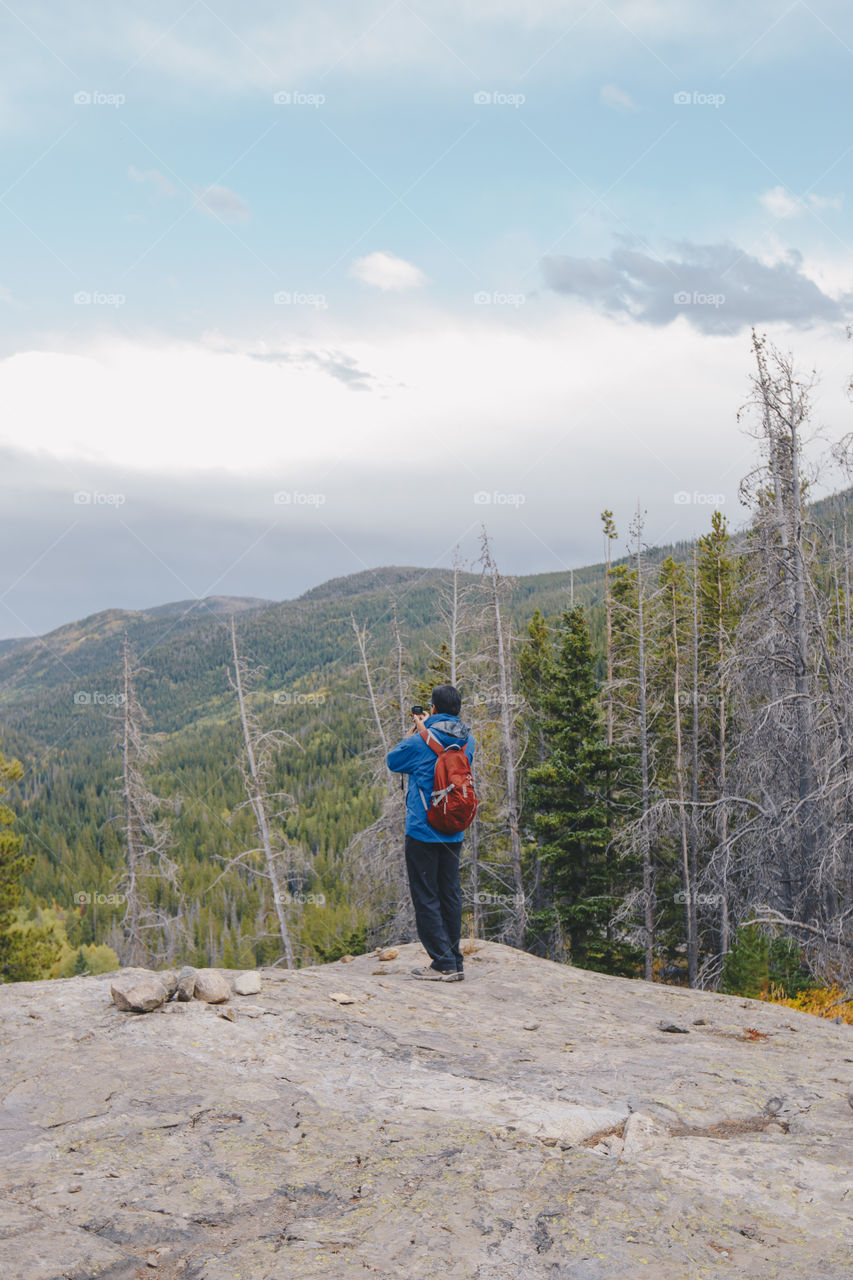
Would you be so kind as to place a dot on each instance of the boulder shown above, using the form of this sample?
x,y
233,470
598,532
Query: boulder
x,y
212,986
186,984
138,991
169,978
247,984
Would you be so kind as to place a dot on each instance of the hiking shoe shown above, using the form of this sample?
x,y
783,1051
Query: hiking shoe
x,y
437,975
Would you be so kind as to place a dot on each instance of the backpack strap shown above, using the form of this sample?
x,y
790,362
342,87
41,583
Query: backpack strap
x,y
432,741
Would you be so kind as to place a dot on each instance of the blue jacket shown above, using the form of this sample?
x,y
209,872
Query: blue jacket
x,y
414,757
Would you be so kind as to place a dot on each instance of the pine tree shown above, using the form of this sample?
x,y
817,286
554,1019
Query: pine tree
x,y
746,970
568,794
24,953
535,673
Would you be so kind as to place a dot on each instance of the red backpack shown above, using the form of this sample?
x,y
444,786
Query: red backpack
x,y
454,800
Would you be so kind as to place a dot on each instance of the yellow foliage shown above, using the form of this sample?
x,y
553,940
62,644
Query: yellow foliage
x,y
823,1002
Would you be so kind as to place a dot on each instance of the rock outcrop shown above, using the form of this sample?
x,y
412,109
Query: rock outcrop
x,y
532,1121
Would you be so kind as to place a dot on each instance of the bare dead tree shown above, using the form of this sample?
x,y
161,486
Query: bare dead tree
x,y
260,748
509,747
375,855
680,771
645,761
150,930
792,755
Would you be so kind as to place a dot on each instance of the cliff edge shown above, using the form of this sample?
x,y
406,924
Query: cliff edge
x,y
532,1121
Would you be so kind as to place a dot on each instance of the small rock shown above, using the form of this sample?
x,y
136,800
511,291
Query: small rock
x,y
229,1014
170,979
347,959
531,1026
247,984
773,1106
642,1130
389,953
612,1145
186,984
699,1022
212,986
341,997
253,1010
138,991
663,1025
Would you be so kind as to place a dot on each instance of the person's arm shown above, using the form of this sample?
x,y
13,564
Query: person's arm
x,y
401,758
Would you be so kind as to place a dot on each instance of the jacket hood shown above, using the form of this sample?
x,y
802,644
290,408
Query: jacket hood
x,y
454,728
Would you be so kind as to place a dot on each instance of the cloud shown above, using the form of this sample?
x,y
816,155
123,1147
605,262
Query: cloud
x,y
617,99
387,272
718,289
780,203
5,294
156,180
337,364
222,203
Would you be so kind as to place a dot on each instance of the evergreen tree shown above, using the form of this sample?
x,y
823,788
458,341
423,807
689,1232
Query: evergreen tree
x,y
24,953
568,794
746,969
535,672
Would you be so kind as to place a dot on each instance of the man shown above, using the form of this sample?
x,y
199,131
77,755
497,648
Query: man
x,y
432,860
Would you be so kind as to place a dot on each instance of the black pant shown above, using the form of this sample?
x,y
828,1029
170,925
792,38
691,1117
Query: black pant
x,y
433,868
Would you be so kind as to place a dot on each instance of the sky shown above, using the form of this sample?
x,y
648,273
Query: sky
x,y
288,291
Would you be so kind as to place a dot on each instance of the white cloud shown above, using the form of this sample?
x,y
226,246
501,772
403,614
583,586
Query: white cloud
x,y
617,99
780,203
221,202
188,405
387,272
234,47
157,181
825,202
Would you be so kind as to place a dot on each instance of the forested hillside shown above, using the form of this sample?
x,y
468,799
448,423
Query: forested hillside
x,y
663,751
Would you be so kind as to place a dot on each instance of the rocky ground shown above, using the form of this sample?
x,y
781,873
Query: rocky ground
x,y
532,1121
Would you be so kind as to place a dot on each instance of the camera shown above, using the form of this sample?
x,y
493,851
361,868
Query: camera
x,y
417,709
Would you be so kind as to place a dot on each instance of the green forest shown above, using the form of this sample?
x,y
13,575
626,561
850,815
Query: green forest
x,y
664,759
